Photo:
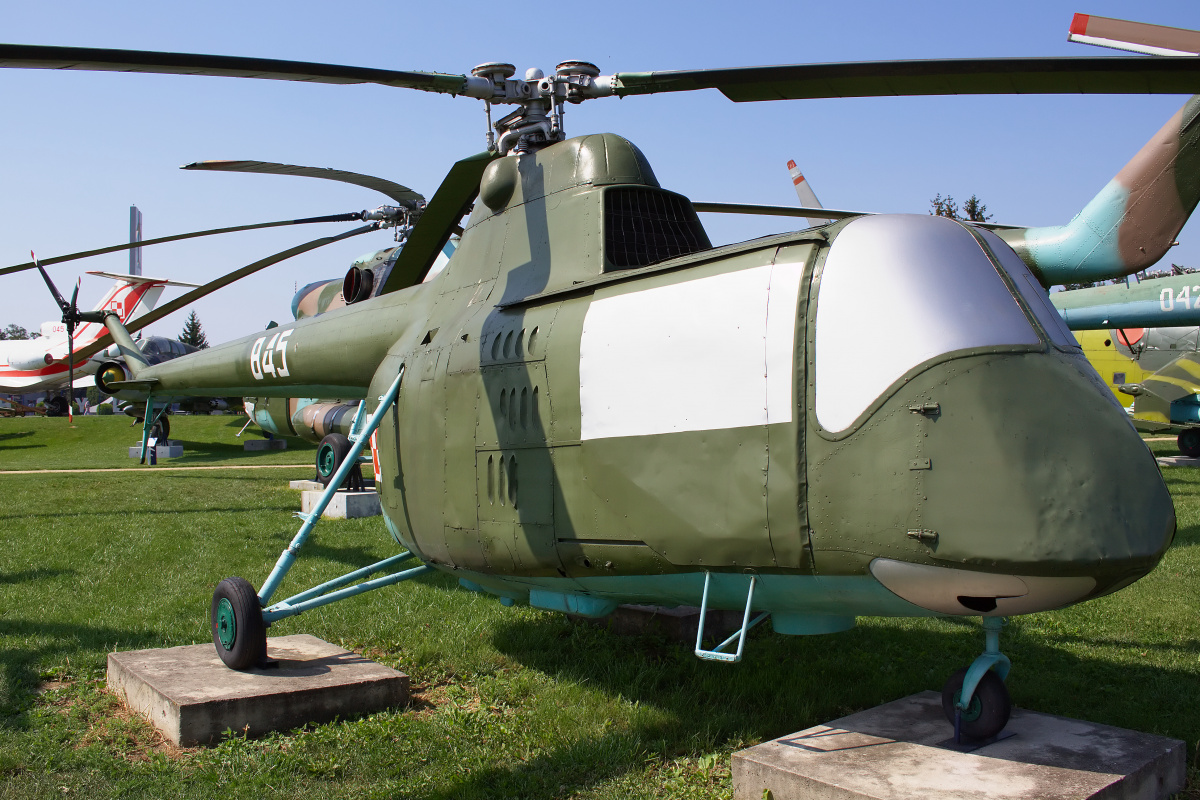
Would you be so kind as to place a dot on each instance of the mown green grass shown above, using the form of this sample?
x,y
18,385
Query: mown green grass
x,y
508,702
104,442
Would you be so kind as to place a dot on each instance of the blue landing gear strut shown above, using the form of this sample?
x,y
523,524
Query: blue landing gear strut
x,y
240,616
975,699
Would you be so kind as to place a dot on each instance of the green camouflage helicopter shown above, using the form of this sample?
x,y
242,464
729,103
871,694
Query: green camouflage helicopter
x,y
591,405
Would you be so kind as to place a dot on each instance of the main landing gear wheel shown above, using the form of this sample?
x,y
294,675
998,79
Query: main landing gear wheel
x,y
161,430
330,454
988,711
56,407
1189,442
237,624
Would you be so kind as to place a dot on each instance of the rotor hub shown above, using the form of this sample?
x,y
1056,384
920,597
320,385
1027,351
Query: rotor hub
x,y
538,120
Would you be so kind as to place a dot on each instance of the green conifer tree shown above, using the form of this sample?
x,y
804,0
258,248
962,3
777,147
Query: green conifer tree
x,y
193,334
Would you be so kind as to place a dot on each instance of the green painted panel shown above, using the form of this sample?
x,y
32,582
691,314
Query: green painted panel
x,y
697,497
462,402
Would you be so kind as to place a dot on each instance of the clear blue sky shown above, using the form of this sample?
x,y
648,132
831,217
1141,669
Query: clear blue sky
x,y
79,148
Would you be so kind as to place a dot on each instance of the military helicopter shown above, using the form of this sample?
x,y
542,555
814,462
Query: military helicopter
x,y
591,405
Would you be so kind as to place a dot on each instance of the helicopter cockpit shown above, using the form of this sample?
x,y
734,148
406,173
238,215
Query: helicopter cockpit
x,y
898,292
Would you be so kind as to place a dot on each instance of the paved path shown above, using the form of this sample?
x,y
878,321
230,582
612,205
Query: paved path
x,y
156,469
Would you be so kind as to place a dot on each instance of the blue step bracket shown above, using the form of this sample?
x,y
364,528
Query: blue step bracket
x,y
337,588
717,653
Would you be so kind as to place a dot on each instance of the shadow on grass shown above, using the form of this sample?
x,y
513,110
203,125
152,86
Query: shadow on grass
x,y
19,666
788,684
4,437
121,513
31,575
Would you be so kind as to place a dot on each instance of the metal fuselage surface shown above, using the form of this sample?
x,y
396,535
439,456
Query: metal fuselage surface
x,y
598,408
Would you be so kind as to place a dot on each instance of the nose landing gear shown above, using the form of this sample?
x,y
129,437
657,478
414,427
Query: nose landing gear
x,y
975,699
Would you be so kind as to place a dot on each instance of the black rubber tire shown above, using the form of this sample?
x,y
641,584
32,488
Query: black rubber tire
x,y
56,407
246,644
1189,442
161,430
331,452
990,707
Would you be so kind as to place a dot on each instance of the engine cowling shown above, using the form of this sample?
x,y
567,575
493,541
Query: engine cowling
x,y
357,284
33,360
110,372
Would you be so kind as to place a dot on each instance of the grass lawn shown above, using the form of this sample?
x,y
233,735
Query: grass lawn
x,y
104,442
508,702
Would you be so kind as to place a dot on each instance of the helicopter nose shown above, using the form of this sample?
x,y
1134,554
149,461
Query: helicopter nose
x,y
1027,488
1038,471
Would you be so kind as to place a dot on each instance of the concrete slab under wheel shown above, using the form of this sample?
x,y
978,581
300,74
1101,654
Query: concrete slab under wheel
x,y
168,449
892,751
252,445
193,698
1178,461
678,624
317,486
344,505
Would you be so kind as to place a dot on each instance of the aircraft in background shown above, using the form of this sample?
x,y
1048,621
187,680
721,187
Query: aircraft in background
x,y
1143,340
40,363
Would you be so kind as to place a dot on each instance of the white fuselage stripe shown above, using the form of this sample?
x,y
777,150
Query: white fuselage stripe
x,y
704,354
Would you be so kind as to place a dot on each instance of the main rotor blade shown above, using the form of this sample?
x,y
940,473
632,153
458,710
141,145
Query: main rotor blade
x,y
1117,75
177,237
221,282
440,218
776,211
27,56
401,194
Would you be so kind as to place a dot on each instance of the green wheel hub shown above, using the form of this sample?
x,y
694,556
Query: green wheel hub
x,y
972,711
326,460
226,623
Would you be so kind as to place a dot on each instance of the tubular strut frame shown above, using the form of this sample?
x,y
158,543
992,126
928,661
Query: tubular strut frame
x,y
148,420
717,654
338,588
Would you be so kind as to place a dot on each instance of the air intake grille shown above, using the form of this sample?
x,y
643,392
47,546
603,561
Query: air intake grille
x,y
644,226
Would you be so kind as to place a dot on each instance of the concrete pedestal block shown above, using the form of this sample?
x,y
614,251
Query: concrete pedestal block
x,y
344,505
254,445
316,486
1178,461
897,752
193,698
167,449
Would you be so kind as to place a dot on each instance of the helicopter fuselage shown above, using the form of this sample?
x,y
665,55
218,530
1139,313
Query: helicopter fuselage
x,y
599,408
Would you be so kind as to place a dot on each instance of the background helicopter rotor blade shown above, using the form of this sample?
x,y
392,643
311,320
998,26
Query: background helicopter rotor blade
x,y
219,283
401,194
1112,75
452,199
71,317
25,56
58,298
352,217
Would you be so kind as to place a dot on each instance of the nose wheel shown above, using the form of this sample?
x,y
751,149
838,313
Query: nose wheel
x,y
975,699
